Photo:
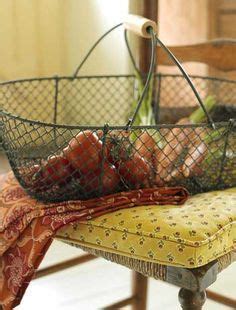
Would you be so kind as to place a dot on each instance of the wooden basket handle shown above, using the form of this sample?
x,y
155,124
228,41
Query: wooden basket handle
x,y
139,25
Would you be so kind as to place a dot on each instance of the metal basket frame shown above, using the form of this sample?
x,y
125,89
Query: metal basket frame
x,y
10,122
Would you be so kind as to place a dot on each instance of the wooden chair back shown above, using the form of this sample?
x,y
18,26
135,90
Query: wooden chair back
x,y
219,54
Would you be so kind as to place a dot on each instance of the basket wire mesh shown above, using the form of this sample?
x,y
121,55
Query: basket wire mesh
x,y
106,153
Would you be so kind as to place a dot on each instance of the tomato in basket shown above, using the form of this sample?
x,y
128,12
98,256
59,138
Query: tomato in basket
x,y
118,148
56,170
117,152
135,170
84,151
91,182
29,172
120,152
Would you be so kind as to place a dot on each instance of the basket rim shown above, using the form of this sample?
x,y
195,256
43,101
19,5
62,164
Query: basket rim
x,y
101,127
107,127
64,77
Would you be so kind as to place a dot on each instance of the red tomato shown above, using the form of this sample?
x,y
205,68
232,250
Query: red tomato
x,y
117,149
84,151
135,170
29,173
90,182
57,170
110,179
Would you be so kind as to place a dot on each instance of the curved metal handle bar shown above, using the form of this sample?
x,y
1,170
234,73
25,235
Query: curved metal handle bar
x,y
98,41
93,47
210,121
154,40
150,72
148,80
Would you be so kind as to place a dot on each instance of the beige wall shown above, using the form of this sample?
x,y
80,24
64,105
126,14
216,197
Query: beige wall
x,y
48,37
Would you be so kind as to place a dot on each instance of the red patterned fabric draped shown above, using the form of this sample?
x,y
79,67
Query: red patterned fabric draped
x,y
27,227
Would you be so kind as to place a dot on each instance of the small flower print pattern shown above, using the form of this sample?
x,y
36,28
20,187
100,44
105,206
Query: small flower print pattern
x,y
107,232
173,236
115,245
170,257
191,261
180,248
150,254
176,234
98,241
141,241
16,269
139,226
210,245
124,236
157,229
188,235
26,224
132,250
154,220
192,233
82,238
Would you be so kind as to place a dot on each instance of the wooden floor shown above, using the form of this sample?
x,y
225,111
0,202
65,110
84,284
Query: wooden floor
x,y
99,283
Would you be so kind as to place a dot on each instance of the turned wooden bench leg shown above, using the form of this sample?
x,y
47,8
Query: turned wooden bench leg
x,y
139,291
191,300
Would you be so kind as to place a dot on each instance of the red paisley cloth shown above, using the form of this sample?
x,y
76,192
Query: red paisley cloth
x,y
27,227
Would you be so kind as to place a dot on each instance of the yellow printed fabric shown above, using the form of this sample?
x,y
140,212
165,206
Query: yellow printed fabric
x,y
191,235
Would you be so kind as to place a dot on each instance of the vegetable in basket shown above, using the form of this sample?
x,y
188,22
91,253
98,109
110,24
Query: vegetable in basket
x,y
95,166
162,152
84,151
178,140
104,164
133,169
146,144
57,169
104,180
81,156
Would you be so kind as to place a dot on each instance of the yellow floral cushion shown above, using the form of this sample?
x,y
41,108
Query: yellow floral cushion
x,y
190,235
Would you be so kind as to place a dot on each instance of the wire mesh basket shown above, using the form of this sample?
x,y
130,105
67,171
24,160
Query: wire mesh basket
x,y
80,137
